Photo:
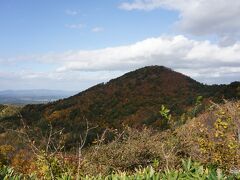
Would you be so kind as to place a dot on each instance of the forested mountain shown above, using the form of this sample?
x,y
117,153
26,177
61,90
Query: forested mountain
x,y
133,99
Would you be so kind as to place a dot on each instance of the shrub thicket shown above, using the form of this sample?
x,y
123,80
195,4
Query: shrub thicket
x,y
212,139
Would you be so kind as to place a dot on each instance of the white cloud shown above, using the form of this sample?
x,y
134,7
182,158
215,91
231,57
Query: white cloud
x,y
199,17
175,52
202,60
97,29
75,26
154,4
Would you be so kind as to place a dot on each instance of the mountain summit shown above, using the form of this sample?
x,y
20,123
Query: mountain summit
x,y
133,99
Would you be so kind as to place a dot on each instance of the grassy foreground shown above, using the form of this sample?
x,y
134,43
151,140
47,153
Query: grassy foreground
x,y
188,170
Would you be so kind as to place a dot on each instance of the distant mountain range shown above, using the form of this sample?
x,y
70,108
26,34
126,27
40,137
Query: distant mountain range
x,y
32,96
133,99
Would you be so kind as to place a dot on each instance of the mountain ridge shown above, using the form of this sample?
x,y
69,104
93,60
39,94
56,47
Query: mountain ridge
x,y
133,99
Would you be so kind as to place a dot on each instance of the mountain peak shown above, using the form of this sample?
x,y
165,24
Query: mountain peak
x,y
154,67
150,70
153,76
133,99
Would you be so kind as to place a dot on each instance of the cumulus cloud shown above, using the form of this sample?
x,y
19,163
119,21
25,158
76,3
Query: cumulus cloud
x,y
175,52
202,60
199,17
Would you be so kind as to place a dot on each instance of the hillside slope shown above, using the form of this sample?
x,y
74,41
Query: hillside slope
x,y
133,99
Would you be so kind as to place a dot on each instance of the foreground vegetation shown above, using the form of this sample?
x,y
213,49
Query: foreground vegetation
x,y
188,170
202,147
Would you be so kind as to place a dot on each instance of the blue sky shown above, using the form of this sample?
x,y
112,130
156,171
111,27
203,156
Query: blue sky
x,y
39,26
74,44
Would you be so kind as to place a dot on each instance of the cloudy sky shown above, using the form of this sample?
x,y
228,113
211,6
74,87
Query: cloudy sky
x,y
74,44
